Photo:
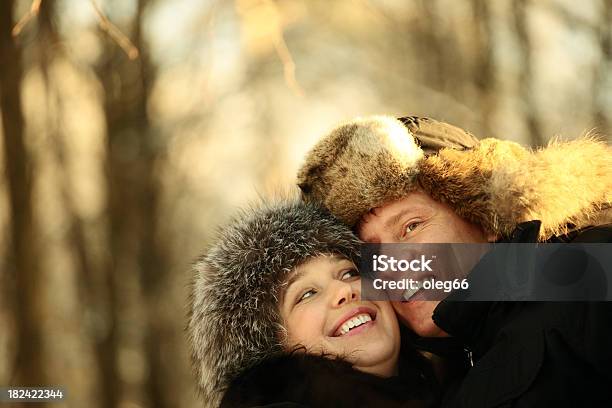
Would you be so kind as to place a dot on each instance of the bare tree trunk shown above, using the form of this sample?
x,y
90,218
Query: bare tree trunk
x,y
601,111
160,340
91,293
29,308
484,69
117,270
137,249
530,111
122,100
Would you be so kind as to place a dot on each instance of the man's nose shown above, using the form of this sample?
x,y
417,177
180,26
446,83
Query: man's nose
x,y
344,292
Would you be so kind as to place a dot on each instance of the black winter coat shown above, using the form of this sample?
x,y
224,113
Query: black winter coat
x,y
533,354
302,380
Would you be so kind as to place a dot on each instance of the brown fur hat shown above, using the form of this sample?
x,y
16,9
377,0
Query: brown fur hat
x,y
367,162
234,319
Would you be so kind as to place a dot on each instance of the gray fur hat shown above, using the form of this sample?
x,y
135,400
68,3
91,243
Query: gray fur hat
x,y
234,319
497,184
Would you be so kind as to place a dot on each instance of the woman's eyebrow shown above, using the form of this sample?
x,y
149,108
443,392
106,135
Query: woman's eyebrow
x,y
297,275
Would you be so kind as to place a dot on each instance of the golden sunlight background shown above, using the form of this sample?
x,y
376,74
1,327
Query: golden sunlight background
x,y
132,129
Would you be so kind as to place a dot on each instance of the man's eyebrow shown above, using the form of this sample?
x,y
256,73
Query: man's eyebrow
x,y
391,222
398,217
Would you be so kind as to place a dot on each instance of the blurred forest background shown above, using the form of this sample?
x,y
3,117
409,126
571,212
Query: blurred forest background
x,y
131,129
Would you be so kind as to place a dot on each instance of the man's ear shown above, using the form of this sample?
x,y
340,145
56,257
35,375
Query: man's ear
x,y
491,237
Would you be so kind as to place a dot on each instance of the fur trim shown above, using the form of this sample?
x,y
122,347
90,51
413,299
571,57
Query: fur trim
x,y
234,320
349,190
496,184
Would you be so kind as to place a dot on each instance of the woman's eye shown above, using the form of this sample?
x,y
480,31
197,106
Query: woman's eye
x,y
349,274
306,295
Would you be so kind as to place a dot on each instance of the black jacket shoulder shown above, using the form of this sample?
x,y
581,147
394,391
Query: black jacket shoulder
x,y
303,380
534,353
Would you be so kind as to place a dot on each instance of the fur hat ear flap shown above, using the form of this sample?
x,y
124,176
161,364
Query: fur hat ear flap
x,y
462,179
224,336
501,184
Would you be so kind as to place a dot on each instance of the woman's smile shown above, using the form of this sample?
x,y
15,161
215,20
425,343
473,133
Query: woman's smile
x,y
354,322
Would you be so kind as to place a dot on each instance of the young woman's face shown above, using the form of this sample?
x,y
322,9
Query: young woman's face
x,y
323,311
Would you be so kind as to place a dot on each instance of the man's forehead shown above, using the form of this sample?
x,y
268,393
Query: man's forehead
x,y
391,212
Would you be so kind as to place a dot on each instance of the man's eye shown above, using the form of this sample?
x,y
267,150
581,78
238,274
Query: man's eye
x,y
349,274
411,226
306,295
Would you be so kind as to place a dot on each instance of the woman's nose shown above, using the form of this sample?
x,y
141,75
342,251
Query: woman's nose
x,y
345,293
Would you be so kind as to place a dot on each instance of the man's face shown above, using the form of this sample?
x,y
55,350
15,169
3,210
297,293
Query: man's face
x,y
417,218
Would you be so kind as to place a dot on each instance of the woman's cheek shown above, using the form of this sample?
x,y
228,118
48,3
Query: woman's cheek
x,y
310,324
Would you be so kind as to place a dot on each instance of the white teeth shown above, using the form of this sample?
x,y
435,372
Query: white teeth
x,y
354,322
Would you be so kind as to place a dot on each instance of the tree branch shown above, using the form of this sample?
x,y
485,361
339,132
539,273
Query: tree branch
x,y
116,34
34,9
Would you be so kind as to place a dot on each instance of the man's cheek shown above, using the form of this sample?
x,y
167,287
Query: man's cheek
x,y
404,314
416,315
